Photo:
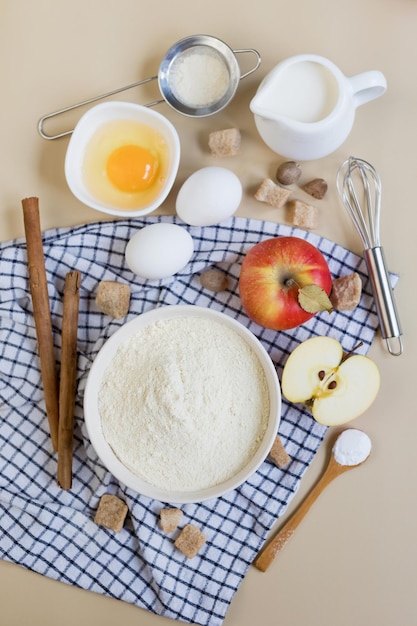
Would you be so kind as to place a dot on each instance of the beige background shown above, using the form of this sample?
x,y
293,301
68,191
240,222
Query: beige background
x,y
354,559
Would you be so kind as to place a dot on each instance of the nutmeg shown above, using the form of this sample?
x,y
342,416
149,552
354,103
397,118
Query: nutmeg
x,y
288,173
316,188
214,280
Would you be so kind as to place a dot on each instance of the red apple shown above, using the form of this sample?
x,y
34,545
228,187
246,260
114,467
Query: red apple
x,y
272,275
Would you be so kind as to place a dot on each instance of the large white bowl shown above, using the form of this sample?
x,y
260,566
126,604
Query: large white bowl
x,y
89,123
93,420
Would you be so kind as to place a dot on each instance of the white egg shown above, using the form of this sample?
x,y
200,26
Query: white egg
x,y
159,250
209,196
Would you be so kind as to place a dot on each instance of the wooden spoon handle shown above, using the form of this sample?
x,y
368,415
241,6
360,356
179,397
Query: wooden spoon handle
x,y
269,552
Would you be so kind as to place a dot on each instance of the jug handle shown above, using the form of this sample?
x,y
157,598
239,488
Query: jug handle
x,y
367,86
250,51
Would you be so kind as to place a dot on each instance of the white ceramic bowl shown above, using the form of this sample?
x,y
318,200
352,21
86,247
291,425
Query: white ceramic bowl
x,y
93,419
89,123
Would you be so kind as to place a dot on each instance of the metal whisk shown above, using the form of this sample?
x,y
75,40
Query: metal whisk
x,y
355,174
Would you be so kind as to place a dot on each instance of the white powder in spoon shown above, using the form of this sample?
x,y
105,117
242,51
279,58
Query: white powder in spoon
x,y
184,403
352,447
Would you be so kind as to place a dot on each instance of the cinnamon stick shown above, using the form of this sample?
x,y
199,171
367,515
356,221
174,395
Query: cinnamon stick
x,y
42,312
67,387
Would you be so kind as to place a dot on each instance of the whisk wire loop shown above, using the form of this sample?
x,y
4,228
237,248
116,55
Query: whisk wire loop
x,y
365,214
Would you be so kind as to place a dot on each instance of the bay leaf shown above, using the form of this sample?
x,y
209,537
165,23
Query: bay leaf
x,y
313,299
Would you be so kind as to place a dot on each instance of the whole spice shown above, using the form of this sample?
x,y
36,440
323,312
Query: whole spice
x,y
42,313
213,279
316,188
313,299
288,173
68,380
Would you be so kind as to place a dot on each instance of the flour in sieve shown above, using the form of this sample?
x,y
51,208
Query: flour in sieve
x,y
184,403
200,77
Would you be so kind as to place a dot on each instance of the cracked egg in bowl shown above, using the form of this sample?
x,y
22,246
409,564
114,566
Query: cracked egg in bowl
x,y
122,159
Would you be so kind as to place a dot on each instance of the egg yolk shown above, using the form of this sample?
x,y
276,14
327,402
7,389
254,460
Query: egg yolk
x,y
131,168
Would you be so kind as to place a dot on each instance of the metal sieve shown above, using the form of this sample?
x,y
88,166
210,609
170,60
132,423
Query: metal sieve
x,y
166,77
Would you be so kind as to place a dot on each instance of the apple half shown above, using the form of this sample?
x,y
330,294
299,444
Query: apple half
x,y
336,387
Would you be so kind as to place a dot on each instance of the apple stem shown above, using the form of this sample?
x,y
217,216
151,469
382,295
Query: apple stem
x,y
346,355
290,282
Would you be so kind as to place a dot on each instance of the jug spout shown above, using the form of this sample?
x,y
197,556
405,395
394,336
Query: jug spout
x,y
259,106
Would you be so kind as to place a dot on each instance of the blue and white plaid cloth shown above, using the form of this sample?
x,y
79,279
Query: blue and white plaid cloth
x,y
51,531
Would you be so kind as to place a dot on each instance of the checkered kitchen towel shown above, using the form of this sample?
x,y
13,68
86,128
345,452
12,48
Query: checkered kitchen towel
x,y
51,531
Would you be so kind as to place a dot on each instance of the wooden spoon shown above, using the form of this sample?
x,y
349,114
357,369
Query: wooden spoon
x,y
271,549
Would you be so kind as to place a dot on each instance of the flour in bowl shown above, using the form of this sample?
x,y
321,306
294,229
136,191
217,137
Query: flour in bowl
x,y
184,403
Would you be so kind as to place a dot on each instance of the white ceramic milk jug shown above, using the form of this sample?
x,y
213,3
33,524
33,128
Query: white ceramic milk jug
x,y
305,107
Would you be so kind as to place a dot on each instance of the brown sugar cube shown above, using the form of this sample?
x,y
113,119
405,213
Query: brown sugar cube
x,y
111,512
113,298
346,292
278,453
224,143
272,194
169,519
190,541
302,214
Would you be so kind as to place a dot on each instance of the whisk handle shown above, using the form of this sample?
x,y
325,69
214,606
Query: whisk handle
x,y
384,298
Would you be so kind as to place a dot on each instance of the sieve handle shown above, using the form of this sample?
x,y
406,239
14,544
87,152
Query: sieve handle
x,y
43,119
384,298
249,51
